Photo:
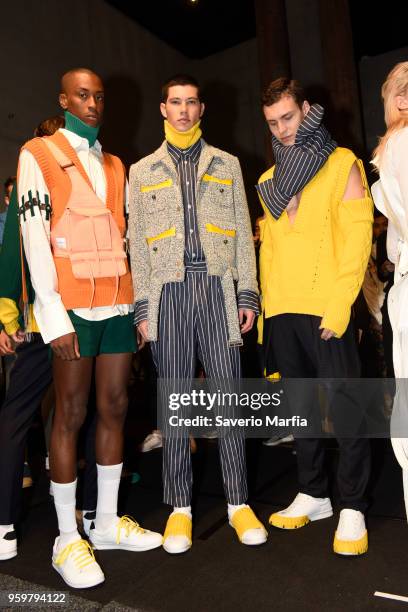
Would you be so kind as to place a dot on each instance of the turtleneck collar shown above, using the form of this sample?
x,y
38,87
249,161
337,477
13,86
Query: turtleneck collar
x,y
182,140
74,124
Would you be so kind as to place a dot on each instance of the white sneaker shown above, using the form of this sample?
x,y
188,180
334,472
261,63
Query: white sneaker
x,y
351,536
8,545
125,534
77,565
152,441
276,440
301,511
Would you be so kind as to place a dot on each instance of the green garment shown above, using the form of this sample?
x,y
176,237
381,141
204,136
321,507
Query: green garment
x,y
73,124
10,262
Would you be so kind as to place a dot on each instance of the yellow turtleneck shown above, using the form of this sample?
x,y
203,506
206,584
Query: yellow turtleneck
x,y
182,140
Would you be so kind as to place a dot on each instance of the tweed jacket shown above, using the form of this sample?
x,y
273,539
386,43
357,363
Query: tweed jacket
x,y
156,229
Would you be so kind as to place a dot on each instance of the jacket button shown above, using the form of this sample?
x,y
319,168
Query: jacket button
x,y
153,197
178,275
178,209
221,191
154,249
225,241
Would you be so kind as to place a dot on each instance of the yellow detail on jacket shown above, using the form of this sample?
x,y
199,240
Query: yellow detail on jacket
x,y
166,234
162,185
317,264
208,178
214,229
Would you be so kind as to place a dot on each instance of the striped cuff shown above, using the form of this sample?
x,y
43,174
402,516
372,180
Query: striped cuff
x,y
250,300
140,311
273,199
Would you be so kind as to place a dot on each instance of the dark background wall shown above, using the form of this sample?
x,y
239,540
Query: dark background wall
x,y
47,37
312,40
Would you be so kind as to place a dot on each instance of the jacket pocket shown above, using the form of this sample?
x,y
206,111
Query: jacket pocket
x,y
209,178
217,191
214,229
161,248
156,196
166,234
223,241
156,186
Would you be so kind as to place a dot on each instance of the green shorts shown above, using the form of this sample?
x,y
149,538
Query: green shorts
x,y
114,335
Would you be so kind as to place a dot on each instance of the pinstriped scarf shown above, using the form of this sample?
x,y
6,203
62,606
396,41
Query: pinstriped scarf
x,y
296,165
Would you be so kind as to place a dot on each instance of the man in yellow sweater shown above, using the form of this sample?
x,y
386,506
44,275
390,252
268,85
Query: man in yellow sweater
x,y
315,248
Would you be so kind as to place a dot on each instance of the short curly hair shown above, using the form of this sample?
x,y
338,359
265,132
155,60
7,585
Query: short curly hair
x,y
280,88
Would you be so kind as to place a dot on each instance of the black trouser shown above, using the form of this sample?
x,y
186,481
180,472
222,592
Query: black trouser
x,y
301,353
30,377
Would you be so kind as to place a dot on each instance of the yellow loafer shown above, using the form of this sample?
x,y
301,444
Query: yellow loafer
x,y
177,536
249,529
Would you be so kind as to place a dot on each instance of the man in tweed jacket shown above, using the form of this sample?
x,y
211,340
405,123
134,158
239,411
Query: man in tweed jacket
x,y
194,276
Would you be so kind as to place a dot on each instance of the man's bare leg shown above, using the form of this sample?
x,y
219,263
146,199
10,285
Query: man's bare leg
x,y
112,374
111,377
72,380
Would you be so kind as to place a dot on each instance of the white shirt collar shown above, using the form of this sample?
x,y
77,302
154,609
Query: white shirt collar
x,y
78,143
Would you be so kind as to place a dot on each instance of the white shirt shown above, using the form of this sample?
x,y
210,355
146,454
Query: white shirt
x,y
50,313
390,196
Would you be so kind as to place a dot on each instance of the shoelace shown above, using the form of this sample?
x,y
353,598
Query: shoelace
x,y
128,524
82,554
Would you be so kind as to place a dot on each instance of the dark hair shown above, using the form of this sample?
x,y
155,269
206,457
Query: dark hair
x,y
73,71
9,181
179,79
281,87
49,126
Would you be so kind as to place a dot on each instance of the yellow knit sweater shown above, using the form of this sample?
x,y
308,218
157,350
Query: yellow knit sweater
x,y
316,265
9,315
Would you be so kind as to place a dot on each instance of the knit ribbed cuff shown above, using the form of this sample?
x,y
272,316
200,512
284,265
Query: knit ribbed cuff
x,y
141,308
249,299
336,317
12,327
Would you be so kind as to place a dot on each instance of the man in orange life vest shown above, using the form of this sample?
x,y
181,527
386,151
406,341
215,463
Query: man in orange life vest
x,y
72,200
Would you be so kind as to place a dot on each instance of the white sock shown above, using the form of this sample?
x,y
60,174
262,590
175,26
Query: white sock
x,y
108,489
5,529
183,510
232,509
64,500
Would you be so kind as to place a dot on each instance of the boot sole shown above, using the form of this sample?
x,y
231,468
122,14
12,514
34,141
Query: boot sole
x,y
311,517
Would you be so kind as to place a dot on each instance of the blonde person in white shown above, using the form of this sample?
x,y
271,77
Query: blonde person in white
x,y
391,198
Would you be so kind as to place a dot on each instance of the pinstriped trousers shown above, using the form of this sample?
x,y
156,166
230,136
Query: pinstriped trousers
x,y
193,323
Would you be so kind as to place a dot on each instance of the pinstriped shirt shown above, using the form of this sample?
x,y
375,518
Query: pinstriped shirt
x,y
186,162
